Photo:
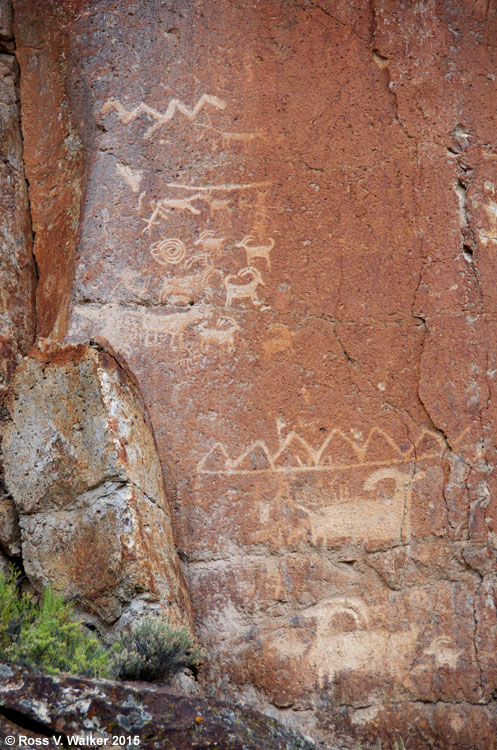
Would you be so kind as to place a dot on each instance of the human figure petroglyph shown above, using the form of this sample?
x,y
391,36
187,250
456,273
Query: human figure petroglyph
x,y
221,337
162,118
243,291
253,250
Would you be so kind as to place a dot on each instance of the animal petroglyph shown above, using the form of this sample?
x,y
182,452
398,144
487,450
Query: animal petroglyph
x,y
131,177
444,652
172,327
186,287
296,454
344,642
162,118
221,337
164,206
141,329
243,291
210,242
328,611
254,250
381,510
168,251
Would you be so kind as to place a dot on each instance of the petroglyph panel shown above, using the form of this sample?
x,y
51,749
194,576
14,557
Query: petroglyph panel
x,y
280,228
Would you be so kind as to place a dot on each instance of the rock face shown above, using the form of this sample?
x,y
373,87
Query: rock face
x,y
68,707
17,321
17,276
283,215
82,466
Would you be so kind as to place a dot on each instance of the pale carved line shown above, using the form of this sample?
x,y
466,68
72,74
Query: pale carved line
x,y
227,187
316,454
162,118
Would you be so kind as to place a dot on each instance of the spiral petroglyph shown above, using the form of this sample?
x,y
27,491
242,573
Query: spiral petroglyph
x,y
169,251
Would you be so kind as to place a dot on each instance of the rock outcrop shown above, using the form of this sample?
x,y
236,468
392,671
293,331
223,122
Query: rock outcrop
x,y
65,707
82,466
17,279
283,216
17,273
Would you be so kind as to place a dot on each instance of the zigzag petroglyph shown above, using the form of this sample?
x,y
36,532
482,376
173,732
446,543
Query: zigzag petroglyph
x,y
162,118
309,459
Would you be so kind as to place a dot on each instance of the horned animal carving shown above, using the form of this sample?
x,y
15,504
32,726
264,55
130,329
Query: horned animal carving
x,y
219,336
240,291
256,251
210,242
173,326
187,286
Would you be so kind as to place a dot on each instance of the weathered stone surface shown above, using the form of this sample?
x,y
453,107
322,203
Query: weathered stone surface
x,y
17,277
10,533
6,33
74,707
82,466
17,319
288,229
4,563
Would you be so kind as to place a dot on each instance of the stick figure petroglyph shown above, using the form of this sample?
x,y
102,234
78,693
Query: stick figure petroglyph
x,y
241,291
249,244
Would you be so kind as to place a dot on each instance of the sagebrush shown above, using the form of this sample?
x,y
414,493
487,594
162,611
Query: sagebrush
x,y
154,652
45,636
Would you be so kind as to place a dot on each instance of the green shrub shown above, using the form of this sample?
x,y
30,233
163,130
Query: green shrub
x,y
15,608
46,637
154,652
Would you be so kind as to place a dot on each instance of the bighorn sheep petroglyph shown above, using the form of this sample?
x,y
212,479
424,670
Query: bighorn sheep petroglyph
x,y
173,326
240,291
256,251
219,336
187,286
210,242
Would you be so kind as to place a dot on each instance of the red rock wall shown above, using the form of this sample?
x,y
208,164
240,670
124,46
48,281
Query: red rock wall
x,y
17,273
288,229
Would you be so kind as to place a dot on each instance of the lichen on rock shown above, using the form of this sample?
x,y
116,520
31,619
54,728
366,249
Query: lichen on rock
x,y
82,466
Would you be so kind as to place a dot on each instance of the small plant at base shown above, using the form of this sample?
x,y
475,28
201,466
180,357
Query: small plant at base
x,y
46,637
154,652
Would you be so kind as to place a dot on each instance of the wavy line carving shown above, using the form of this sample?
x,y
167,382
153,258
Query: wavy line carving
x,y
162,118
295,454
